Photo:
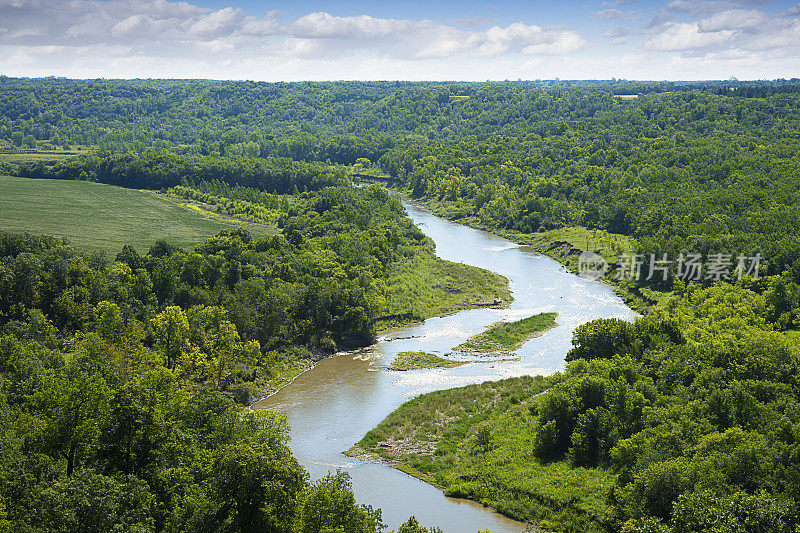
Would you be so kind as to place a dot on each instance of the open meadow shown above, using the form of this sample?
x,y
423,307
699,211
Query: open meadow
x,y
103,217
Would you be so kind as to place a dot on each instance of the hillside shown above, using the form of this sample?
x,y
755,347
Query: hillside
x,y
100,217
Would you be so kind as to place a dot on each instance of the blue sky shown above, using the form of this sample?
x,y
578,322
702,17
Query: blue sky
x,y
412,40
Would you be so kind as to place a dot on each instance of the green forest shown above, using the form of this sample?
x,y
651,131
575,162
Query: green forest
x,y
121,381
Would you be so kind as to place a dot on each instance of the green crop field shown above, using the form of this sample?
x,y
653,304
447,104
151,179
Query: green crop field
x,y
39,156
103,217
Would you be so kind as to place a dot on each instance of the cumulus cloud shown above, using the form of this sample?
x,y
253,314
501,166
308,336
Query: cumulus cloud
x,y
174,38
613,13
530,40
323,33
426,39
742,30
783,39
609,14
617,35
707,7
126,36
148,23
675,36
734,19
565,42
166,28
325,25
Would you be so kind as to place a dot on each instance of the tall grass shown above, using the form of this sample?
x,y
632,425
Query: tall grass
x,y
441,438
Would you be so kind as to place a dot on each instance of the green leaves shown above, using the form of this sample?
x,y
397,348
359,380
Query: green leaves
x,y
94,503
72,405
329,505
172,333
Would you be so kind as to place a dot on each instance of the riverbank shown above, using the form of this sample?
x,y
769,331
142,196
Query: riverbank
x,y
427,286
475,442
565,245
421,288
346,396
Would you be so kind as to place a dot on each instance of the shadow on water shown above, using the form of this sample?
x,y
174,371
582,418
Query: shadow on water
x,y
332,406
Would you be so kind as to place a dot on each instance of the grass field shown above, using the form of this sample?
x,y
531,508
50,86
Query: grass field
x,y
475,442
100,217
35,156
417,360
507,336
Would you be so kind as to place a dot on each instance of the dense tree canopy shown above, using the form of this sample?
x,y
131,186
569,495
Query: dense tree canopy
x,y
118,380
114,375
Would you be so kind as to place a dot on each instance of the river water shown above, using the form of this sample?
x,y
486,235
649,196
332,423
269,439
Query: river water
x,y
332,406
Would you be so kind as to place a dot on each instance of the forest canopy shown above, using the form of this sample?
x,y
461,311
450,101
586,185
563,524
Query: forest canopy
x,y
119,379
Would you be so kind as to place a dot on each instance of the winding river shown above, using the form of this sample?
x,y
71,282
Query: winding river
x,y
332,406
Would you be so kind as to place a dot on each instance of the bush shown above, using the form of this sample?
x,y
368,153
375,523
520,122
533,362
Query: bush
x,y
593,438
658,486
738,513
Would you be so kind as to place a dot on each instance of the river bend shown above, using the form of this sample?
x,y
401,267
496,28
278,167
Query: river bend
x,y
332,406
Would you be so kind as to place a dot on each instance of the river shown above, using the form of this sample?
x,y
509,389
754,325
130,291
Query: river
x,y
332,406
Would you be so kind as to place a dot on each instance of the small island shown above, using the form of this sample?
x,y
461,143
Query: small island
x,y
508,336
418,360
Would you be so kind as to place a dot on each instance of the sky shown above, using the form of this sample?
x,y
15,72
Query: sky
x,y
469,40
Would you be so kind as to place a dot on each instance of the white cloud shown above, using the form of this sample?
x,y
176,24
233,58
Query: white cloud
x,y
613,13
325,25
162,28
676,36
215,23
529,39
148,23
261,27
167,38
707,7
609,14
617,35
331,35
735,19
443,48
785,38
565,43
719,62
728,31
616,32
425,39
297,47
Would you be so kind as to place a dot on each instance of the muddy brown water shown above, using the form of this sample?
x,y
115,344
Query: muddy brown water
x,y
332,406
